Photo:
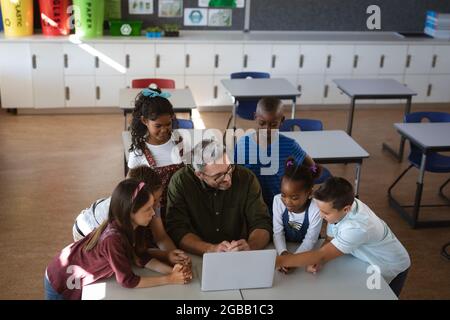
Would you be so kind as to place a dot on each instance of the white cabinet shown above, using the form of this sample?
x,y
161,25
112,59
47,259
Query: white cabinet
x,y
80,91
109,59
79,59
202,89
170,59
331,93
107,90
441,60
47,75
257,57
313,59
284,59
418,83
419,59
220,94
392,59
379,59
16,85
339,59
312,88
140,60
228,58
199,59
438,89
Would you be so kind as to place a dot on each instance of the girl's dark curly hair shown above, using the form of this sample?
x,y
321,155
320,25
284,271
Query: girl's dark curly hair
x,y
299,172
151,109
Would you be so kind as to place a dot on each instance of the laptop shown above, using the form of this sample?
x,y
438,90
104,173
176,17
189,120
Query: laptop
x,y
238,270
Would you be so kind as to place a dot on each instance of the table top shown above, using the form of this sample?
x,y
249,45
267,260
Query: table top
x,y
342,278
180,98
428,136
374,88
329,146
257,88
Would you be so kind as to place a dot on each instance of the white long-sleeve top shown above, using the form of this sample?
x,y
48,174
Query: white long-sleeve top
x,y
312,235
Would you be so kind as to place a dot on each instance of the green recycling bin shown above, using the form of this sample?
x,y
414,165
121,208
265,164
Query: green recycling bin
x,y
89,16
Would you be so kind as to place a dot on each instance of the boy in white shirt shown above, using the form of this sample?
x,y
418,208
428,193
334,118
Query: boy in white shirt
x,y
353,229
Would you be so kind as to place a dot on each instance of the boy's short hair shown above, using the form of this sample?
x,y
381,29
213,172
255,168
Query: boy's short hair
x,y
336,190
269,104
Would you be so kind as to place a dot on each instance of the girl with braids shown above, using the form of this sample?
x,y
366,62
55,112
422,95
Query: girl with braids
x,y
113,248
151,137
296,217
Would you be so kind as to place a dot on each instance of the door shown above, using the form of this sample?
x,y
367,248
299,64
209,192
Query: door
x,y
441,60
228,59
257,57
16,86
313,59
202,89
311,87
79,59
107,90
419,59
48,75
80,91
284,59
110,59
220,94
339,59
170,59
140,60
199,59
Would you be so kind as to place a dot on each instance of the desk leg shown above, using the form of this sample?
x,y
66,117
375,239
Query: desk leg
x,y
350,117
294,102
357,179
419,189
399,155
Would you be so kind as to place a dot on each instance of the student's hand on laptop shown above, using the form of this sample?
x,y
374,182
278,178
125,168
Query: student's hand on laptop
x,y
178,256
180,275
239,245
314,268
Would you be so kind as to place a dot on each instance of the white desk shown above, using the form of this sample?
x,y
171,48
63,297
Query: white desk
x,y
181,100
331,146
242,89
109,289
376,89
343,278
428,137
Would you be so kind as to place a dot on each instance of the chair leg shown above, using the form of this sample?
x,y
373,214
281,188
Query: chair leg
x,y
398,179
441,191
125,166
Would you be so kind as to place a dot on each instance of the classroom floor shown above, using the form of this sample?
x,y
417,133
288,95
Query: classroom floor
x,y
51,167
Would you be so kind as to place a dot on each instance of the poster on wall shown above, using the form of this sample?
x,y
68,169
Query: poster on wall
x,y
226,3
170,8
140,6
219,17
195,17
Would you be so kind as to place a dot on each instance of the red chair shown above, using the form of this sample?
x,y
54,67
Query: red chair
x,y
161,83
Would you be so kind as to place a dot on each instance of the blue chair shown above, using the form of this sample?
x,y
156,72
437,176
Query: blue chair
x,y
182,124
435,162
306,125
246,108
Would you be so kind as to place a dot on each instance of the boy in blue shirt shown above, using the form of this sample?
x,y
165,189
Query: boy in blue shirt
x,y
353,229
253,149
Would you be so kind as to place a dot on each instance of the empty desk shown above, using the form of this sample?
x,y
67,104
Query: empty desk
x,y
181,100
428,137
375,89
241,89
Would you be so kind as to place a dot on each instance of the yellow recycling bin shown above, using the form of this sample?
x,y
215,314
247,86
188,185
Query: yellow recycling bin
x,y
17,17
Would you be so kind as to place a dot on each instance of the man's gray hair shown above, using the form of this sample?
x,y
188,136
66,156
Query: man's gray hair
x,y
205,152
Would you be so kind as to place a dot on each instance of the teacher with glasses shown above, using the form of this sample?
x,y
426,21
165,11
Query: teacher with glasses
x,y
215,206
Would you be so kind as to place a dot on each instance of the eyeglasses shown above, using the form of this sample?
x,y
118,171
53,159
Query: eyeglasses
x,y
218,178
